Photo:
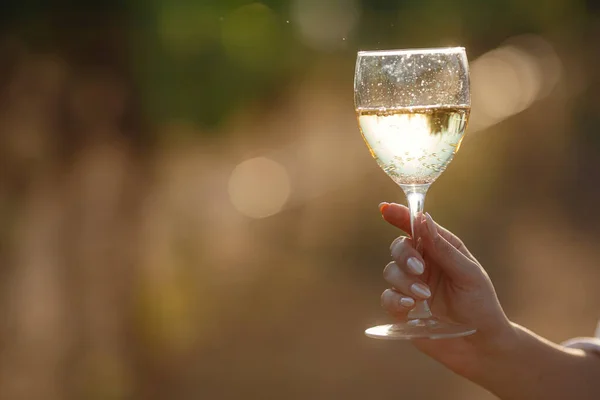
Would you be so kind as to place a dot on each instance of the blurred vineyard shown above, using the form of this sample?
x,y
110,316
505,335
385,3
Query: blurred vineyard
x,y
187,210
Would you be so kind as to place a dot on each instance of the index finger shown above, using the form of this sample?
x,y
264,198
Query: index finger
x,y
399,216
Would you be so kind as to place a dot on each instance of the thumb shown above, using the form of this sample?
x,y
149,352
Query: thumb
x,y
455,263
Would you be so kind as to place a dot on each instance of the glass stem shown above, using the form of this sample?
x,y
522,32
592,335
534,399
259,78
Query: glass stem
x,y
415,195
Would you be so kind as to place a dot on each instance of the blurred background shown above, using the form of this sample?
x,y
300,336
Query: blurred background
x,y
188,211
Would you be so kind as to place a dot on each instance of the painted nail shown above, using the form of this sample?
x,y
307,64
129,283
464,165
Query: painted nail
x,y
407,302
383,206
431,226
415,265
421,290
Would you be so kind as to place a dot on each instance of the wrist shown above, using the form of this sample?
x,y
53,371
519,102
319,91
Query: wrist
x,y
505,339
498,357
494,347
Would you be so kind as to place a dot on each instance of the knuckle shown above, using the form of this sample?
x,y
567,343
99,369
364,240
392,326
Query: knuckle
x,y
388,271
401,249
398,243
437,239
456,242
385,298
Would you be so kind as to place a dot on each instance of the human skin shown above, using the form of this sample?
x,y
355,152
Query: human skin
x,y
503,357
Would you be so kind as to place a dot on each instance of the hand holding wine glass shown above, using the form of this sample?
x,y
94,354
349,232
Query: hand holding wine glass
x,y
412,108
460,291
503,357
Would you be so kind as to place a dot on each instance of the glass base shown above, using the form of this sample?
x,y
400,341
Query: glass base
x,y
426,328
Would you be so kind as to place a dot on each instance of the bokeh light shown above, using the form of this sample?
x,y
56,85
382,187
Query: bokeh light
x,y
548,62
509,79
259,187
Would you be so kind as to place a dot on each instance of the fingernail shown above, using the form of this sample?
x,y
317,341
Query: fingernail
x,y
415,266
431,226
421,290
383,206
407,302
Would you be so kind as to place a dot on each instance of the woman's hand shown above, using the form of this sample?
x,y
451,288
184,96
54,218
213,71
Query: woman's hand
x,y
456,286
503,357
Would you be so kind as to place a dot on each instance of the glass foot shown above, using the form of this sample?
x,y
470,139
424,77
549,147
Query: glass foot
x,y
427,328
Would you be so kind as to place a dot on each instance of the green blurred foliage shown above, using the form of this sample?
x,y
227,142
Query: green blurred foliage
x,y
197,61
200,60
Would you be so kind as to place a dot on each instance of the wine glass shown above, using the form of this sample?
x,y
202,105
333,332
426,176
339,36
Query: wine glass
x,y
412,108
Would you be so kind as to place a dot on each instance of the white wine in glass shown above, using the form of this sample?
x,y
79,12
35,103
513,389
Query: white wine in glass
x,y
412,108
414,145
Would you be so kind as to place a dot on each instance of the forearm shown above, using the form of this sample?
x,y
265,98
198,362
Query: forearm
x,y
532,368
